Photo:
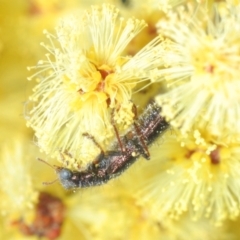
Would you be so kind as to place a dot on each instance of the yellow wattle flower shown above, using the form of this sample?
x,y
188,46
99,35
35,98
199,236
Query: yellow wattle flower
x,y
201,68
194,173
18,194
85,79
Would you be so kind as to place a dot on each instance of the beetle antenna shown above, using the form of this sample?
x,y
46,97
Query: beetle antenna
x,y
41,160
49,183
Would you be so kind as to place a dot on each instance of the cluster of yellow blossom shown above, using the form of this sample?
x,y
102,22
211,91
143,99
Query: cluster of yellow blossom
x,y
103,63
